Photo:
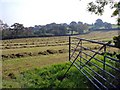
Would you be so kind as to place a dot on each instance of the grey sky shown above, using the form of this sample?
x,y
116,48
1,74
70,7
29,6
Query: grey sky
x,y
41,12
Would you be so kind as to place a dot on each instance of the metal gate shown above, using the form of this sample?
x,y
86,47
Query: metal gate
x,y
97,61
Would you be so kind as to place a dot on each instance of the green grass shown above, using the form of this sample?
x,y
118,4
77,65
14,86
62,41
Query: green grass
x,y
114,26
50,77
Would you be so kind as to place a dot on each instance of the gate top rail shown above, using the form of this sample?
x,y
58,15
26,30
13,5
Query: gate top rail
x,y
93,41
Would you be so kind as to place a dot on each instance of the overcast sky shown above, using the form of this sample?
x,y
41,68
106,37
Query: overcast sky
x,y
41,12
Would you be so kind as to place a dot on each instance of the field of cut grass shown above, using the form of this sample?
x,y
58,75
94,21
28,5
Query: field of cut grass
x,y
16,62
20,64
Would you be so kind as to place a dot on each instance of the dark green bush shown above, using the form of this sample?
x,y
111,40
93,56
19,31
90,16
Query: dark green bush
x,y
116,40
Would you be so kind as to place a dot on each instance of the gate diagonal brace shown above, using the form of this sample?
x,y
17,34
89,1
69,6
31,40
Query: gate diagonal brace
x,y
75,48
95,54
87,61
70,66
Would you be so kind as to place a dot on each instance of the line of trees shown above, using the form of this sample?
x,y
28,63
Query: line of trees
x,y
18,30
99,24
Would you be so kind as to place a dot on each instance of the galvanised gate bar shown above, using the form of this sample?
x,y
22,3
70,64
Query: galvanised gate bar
x,y
97,61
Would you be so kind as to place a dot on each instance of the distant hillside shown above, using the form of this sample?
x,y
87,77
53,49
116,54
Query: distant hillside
x,y
100,35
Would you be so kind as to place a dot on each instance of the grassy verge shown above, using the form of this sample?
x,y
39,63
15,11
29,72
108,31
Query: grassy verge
x,y
49,77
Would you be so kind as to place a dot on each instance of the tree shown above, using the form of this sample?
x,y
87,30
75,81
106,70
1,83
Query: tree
x,y
81,27
99,23
63,29
116,40
73,26
6,33
107,25
80,22
17,26
4,30
17,29
3,25
98,6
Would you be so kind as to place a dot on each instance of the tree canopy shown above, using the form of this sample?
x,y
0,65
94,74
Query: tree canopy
x,y
98,6
18,30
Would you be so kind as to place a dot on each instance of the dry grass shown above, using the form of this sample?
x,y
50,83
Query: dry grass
x,y
54,41
100,35
21,64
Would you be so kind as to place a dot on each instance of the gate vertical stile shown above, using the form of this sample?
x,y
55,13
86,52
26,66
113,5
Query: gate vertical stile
x,y
104,60
80,52
69,47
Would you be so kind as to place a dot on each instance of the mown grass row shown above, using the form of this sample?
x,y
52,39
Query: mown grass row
x,y
26,54
33,46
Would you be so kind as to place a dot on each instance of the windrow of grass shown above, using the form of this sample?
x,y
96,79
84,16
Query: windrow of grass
x,y
55,41
26,54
